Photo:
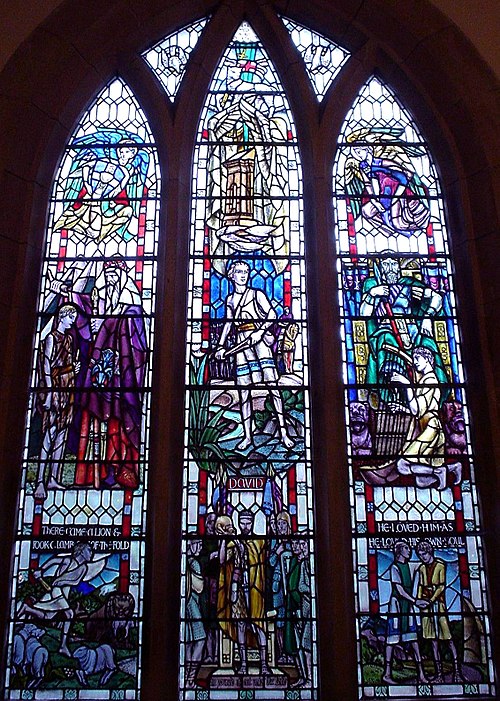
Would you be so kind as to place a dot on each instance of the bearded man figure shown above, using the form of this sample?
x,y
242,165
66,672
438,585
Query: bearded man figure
x,y
400,309
112,396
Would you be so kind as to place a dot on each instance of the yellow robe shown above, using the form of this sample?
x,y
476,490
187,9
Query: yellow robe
x,y
233,601
431,586
425,442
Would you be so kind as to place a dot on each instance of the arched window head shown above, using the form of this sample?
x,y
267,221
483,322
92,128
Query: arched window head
x,y
323,58
422,618
76,612
248,611
169,58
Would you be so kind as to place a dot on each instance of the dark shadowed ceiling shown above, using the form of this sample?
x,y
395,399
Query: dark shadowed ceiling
x,y
479,20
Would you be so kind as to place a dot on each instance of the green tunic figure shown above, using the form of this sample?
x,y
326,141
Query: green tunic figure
x,y
400,309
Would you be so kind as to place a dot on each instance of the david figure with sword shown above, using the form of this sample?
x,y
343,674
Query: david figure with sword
x,y
251,313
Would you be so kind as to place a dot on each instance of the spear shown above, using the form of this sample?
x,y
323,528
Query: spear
x,y
96,438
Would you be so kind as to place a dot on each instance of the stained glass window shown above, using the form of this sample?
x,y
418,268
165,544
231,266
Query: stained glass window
x,y
248,593
248,618
323,58
422,614
76,609
169,58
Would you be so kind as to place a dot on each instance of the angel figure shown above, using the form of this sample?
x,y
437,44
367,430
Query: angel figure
x,y
247,179
105,186
245,64
381,183
69,571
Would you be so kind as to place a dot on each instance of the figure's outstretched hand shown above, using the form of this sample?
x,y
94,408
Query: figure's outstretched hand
x,y
47,402
398,408
378,205
256,336
400,379
426,327
380,291
220,353
96,324
59,287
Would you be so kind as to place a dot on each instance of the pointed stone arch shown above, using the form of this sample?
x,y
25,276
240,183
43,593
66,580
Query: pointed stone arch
x,y
408,429
457,116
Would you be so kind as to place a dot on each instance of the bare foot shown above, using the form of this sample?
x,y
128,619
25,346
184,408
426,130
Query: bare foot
x,y
456,471
440,473
54,484
388,679
40,491
244,444
64,650
287,441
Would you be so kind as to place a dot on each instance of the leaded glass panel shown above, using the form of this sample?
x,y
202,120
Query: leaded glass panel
x,y
422,611
248,611
323,58
77,599
169,58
